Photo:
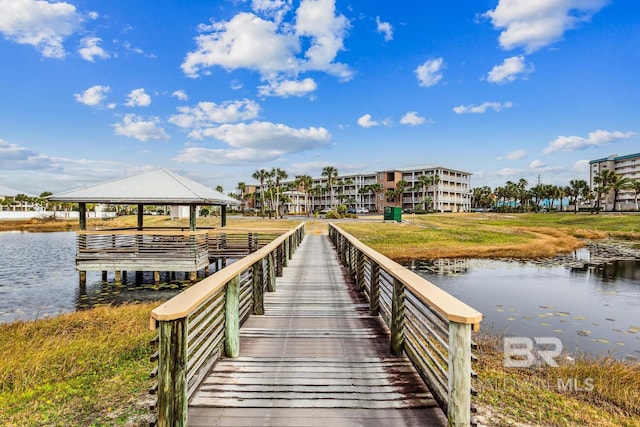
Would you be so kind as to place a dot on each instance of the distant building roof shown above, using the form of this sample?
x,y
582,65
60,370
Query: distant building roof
x,y
159,186
12,192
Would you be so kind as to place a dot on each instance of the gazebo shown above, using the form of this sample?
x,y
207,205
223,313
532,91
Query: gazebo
x,y
138,248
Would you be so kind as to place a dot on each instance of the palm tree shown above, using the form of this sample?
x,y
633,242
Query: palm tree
x,y
372,189
424,182
521,187
576,191
278,174
219,188
317,191
306,183
261,175
635,186
435,181
332,174
617,184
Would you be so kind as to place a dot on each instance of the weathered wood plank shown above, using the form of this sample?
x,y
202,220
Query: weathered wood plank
x,y
316,349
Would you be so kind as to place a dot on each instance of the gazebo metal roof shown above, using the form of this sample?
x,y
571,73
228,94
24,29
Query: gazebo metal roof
x,y
159,186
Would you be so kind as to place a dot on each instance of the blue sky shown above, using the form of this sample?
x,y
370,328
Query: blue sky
x,y
214,90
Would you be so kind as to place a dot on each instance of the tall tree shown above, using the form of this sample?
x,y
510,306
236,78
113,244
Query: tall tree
x,y
435,182
635,186
576,191
331,174
617,184
278,175
261,176
424,182
306,183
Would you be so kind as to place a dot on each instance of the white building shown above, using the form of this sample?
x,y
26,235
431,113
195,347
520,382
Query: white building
x,y
366,192
627,167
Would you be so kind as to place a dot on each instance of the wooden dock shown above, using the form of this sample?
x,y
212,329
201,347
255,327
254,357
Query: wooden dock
x,y
315,358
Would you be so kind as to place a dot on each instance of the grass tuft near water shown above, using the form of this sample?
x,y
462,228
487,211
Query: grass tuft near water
x,y
582,392
82,369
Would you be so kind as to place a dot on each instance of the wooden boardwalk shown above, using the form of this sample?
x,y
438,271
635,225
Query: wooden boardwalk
x,y
316,358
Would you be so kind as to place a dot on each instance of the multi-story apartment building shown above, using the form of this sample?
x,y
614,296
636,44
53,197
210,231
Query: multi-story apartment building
x,y
626,166
368,192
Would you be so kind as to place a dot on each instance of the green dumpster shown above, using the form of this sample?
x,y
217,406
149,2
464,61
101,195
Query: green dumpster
x,y
392,213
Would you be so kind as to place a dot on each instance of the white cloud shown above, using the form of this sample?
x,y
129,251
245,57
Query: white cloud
x,y
138,98
384,28
581,166
366,122
271,47
482,108
40,24
94,96
430,72
142,129
255,142
506,172
15,157
246,41
286,88
89,49
275,9
269,136
412,119
537,164
180,94
317,19
207,114
597,138
509,70
533,25
517,155
314,168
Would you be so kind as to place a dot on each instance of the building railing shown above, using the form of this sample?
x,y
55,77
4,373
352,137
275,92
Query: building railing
x,y
432,327
198,325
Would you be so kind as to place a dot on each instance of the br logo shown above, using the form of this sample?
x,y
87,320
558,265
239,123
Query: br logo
x,y
524,352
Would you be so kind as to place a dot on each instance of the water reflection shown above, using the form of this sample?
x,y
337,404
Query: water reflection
x,y
591,304
38,279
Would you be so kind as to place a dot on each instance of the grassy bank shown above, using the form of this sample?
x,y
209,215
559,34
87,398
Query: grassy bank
x,y
89,368
525,236
584,392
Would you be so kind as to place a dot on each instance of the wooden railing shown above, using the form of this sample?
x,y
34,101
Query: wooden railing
x,y
432,327
155,249
196,326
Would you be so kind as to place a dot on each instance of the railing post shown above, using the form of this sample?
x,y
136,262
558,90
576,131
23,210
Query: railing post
x,y
258,287
359,271
459,399
397,318
374,290
279,261
271,286
285,252
232,318
172,373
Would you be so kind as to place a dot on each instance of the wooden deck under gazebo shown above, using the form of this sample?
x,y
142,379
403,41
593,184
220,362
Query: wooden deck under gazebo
x,y
140,249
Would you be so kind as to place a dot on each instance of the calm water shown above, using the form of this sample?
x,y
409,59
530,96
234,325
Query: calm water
x,y
593,310
38,279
